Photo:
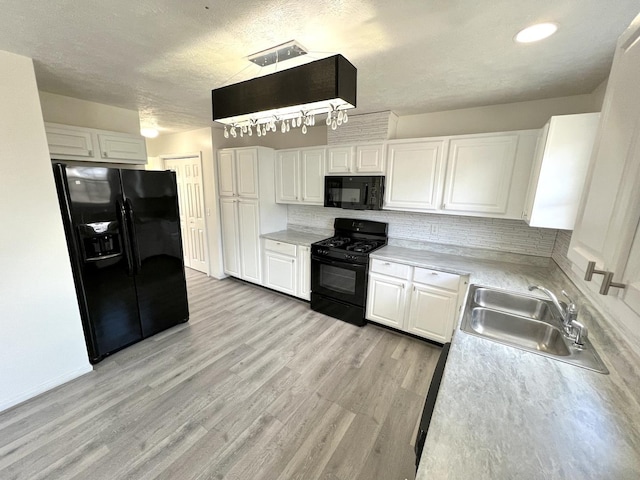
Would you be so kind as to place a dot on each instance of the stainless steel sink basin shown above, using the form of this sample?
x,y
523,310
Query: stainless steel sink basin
x,y
525,322
519,331
525,306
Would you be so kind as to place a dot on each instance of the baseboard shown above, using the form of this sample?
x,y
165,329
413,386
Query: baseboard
x,y
46,386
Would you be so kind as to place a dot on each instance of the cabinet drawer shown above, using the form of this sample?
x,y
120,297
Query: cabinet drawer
x,y
280,247
389,268
450,281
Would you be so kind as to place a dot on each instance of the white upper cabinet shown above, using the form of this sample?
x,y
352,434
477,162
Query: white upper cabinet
x,y
561,163
300,176
479,172
227,173
370,158
312,176
414,175
287,176
68,141
361,159
339,160
238,173
88,144
486,174
247,172
119,147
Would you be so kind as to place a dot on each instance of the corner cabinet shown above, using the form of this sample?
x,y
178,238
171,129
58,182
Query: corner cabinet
x,y
300,176
87,144
559,171
417,300
484,175
246,179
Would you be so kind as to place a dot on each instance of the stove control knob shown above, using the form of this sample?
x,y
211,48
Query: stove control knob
x,y
350,257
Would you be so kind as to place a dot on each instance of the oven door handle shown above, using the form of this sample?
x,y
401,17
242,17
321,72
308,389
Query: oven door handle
x,y
339,263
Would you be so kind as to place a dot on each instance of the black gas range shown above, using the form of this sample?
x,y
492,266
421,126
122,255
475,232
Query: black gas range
x,y
340,268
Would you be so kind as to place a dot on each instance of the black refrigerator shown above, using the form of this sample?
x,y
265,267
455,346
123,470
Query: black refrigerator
x,y
123,234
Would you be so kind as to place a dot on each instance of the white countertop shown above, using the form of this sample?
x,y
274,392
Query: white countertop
x,y
295,237
504,413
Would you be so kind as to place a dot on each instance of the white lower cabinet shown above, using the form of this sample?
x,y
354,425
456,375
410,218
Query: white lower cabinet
x,y
287,268
386,300
432,312
417,300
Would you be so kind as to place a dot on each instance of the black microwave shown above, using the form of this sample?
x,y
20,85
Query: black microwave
x,y
354,193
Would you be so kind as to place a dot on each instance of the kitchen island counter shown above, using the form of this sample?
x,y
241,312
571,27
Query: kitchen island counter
x,y
504,413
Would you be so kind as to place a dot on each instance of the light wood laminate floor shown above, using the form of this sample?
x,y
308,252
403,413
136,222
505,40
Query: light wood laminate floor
x,y
255,386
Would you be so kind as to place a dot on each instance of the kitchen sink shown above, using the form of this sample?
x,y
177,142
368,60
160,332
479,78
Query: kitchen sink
x,y
525,322
525,306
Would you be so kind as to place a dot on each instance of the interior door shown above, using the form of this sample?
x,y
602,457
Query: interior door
x,y
176,166
192,214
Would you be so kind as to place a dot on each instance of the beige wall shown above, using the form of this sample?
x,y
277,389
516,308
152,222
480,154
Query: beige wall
x,y
81,113
190,142
42,343
493,118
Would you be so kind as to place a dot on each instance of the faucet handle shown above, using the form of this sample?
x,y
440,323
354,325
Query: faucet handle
x,y
572,305
581,333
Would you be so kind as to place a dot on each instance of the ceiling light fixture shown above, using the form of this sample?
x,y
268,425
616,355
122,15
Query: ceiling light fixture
x,y
287,99
536,32
149,132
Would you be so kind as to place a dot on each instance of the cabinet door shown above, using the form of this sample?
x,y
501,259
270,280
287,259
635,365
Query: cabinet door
x,y
559,173
432,312
370,158
280,272
116,147
312,176
339,160
479,171
414,175
67,141
609,211
304,272
249,235
287,177
386,300
247,173
230,232
226,173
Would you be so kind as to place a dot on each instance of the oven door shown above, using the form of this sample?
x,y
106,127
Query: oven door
x,y
339,280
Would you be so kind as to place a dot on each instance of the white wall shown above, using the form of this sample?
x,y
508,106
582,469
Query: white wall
x,y
189,142
494,118
81,113
41,339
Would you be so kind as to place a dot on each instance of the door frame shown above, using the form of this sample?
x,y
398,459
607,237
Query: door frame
x,y
185,156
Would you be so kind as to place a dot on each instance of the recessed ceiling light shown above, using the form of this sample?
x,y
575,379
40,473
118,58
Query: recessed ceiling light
x,y
536,32
149,132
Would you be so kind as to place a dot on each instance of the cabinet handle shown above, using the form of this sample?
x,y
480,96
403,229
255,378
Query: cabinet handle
x,y
608,282
91,153
591,269
402,285
387,263
443,206
434,273
105,154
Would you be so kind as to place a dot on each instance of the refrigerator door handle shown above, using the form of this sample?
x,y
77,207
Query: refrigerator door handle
x,y
125,236
132,236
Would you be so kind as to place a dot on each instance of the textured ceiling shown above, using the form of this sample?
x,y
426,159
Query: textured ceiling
x,y
163,57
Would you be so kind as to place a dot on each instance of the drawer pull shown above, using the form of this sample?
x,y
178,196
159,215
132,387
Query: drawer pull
x,y
434,273
387,263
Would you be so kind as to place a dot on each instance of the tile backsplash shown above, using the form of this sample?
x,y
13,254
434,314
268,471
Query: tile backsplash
x,y
513,236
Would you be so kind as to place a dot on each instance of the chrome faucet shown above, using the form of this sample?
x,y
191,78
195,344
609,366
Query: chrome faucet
x,y
569,315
